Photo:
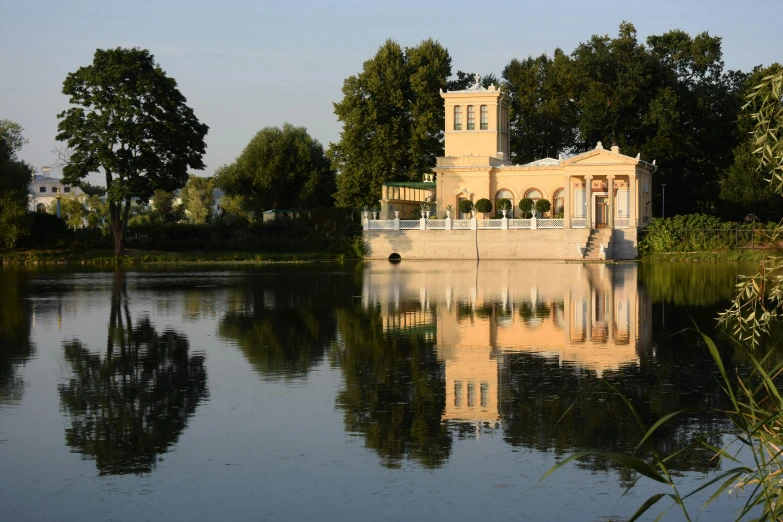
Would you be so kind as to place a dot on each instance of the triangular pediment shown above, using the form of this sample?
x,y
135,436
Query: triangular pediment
x,y
600,156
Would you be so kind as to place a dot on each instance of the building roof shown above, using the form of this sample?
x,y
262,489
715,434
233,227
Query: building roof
x,y
410,184
544,162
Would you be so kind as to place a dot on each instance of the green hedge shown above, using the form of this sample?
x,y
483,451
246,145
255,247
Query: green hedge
x,y
701,233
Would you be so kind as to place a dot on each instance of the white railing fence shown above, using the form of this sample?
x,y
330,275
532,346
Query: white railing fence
x,y
578,222
381,224
518,223
483,224
490,223
551,223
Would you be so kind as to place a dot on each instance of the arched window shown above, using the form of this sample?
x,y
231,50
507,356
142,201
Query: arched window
x,y
558,205
457,118
505,194
484,117
471,118
40,207
533,194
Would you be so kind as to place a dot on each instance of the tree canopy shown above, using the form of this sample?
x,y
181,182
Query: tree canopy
x,y
15,177
392,118
128,119
280,168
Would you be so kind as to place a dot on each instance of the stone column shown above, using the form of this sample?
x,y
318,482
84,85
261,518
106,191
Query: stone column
x,y
610,188
589,201
567,202
634,199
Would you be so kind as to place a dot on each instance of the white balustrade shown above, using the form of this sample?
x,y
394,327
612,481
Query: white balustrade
x,y
381,224
496,224
518,223
551,223
579,222
483,224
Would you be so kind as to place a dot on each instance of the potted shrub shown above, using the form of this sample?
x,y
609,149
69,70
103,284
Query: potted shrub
x,y
526,206
542,206
465,206
484,206
503,205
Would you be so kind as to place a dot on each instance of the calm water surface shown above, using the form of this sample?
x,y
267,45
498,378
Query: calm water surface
x,y
412,391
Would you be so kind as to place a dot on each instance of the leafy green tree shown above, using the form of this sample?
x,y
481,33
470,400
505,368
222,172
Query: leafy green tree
x,y
542,206
465,80
198,199
465,206
129,120
392,120
280,168
526,206
484,206
544,114
163,202
15,177
97,212
92,190
744,188
72,211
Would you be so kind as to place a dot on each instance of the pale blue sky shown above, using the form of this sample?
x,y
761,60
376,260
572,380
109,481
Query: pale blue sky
x,y
244,65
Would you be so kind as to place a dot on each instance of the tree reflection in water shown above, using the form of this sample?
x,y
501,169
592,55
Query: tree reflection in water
x,y
15,344
394,390
284,323
130,405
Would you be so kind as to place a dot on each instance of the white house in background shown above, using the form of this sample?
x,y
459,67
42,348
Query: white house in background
x,y
43,190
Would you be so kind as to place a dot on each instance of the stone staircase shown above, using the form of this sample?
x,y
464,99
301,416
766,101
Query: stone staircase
x,y
592,250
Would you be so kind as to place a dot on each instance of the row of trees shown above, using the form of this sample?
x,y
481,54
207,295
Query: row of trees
x,y
669,99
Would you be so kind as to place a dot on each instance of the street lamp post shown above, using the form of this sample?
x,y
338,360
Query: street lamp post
x,y
663,201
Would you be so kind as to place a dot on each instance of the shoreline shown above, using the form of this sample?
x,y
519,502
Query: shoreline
x,y
150,257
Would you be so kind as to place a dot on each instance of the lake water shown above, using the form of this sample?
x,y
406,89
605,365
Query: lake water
x,y
375,391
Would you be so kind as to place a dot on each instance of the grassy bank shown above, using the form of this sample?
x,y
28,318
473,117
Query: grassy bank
x,y
138,257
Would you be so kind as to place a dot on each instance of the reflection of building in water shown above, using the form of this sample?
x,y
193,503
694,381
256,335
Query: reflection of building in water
x,y
590,316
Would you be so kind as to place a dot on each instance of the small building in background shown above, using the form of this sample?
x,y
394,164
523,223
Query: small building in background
x,y
43,190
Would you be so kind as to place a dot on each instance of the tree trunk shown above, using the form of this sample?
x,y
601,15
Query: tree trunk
x,y
119,223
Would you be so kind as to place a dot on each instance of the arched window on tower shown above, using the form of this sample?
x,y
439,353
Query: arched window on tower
x,y
457,118
471,118
505,194
484,117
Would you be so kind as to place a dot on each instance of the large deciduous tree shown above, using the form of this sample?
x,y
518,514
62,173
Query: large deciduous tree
x,y
280,168
392,118
543,109
15,177
744,188
128,119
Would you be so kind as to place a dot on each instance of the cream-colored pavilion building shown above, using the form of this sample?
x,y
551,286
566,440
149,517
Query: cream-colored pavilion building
x,y
609,189
600,189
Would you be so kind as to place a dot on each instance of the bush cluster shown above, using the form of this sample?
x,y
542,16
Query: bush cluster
x,y
701,233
